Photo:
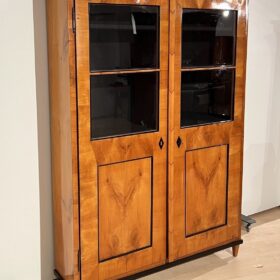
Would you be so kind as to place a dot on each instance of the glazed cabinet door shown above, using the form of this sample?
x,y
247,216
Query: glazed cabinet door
x,y
206,87
122,83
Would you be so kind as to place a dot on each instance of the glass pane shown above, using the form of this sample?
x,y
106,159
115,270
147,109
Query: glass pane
x,y
123,37
207,97
208,37
124,104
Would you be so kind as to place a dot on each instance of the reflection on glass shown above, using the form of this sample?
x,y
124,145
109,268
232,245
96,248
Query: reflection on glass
x,y
123,37
207,97
124,104
208,37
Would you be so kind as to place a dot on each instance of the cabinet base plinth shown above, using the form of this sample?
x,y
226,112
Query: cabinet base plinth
x,y
234,245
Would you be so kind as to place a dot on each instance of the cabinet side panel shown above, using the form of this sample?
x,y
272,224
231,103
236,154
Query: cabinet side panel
x,y
61,51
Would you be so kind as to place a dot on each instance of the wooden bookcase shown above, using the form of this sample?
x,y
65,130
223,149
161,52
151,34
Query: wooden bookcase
x,y
147,113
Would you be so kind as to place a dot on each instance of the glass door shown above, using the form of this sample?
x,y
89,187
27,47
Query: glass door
x,y
208,66
122,73
207,81
124,63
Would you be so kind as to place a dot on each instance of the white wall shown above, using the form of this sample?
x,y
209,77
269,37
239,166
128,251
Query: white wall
x,y
261,184
19,180
26,248
43,114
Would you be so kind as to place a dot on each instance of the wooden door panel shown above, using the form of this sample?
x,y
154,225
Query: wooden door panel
x,y
206,189
125,205
200,218
123,177
210,4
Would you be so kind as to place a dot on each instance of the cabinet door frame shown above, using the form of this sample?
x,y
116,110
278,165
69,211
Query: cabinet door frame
x,y
112,150
199,137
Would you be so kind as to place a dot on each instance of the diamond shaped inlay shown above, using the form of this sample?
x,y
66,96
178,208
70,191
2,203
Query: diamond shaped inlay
x,y
179,142
161,143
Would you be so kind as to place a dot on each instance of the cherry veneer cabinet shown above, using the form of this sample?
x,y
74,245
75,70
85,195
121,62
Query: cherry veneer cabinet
x,y
147,101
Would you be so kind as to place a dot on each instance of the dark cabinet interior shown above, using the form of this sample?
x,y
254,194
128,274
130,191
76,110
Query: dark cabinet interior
x,y
123,104
207,97
208,42
124,62
208,37
123,37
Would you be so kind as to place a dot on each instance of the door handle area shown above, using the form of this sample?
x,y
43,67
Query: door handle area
x,y
161,143
179,142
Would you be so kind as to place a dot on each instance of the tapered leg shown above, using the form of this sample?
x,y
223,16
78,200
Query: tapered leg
x,y
235,250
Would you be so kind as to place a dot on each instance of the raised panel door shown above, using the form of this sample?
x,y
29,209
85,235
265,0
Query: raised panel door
x,y
207,82
122,75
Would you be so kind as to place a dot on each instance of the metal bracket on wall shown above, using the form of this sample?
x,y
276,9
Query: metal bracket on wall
x,y
248,222
57,275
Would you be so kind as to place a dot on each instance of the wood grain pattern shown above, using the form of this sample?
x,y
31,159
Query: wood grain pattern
x,y
119,149
206,189
130,2
61,53
213,4
204,136
125,204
